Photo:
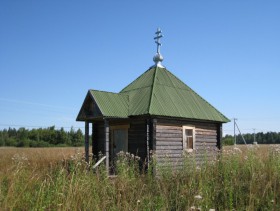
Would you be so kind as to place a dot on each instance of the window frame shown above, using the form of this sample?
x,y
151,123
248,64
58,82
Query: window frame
x,y
185,147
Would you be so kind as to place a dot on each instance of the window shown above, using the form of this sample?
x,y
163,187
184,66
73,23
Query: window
x,y
188,138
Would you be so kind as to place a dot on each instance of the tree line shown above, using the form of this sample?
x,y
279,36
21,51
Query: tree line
x,y
41,137
261,138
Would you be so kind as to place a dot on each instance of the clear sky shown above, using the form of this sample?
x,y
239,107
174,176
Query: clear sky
x,y
52,52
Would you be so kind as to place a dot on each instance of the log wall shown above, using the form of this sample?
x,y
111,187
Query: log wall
x,y
137,138
169,142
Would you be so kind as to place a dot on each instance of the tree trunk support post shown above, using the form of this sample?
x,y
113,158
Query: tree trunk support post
x,y
220,136
87,141
148,141
106,131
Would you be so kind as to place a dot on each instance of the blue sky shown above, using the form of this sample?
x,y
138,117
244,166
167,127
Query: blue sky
x,y
52,52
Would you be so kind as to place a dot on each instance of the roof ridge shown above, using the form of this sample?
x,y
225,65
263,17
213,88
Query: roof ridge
x,y
136,79
190,89
208,103
152,91
173,86
107,92
133,89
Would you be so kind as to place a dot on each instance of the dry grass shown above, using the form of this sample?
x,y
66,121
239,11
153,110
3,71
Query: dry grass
x,y
36,179
38,158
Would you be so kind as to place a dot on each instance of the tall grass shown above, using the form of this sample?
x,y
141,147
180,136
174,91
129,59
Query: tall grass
x,y
237,181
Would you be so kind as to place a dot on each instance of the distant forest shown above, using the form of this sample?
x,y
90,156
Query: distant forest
x,y
42,137
48,137
261,138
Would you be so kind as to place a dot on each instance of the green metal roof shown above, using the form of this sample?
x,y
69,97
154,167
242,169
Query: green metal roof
x,y
159,92
156,92
111,104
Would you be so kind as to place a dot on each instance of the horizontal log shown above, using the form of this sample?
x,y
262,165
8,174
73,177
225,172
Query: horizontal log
x,y
169,160
169,147
166,134
206,136
185,122
206,144
169,143
168,139
202,155
168,127
171,164
205,133
206,130
167,152
200,139
169,131
169,156
204,150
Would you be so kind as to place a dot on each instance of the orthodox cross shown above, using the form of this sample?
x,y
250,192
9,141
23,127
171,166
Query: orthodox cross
x,y
157,39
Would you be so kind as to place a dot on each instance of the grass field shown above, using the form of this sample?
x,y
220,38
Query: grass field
x,y
59,179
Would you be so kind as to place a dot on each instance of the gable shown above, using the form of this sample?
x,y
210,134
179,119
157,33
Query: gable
x,y
89,109
99,104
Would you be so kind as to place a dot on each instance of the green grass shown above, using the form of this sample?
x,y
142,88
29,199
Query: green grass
x,y
238,181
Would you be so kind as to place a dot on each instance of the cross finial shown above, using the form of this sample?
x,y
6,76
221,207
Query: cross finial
x,y
158,58
157,39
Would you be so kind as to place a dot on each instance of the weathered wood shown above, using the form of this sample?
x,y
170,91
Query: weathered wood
x,y
205,134
169,131
163,160
219,136
169,143
166,152
169,163
106,135
169,139
179,155
171,135
154,134
168,127
160,147
206,140
87,141
148,140
175,122
206,144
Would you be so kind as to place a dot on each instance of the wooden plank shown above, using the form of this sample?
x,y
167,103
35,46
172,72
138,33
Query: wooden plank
x,y
202,144
87,141
169,139
169,135
170,163
206,140
205,133
106,134
208,130
169,160
160,147
169,155
170,143
169,131
169,151
167,127
206,136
